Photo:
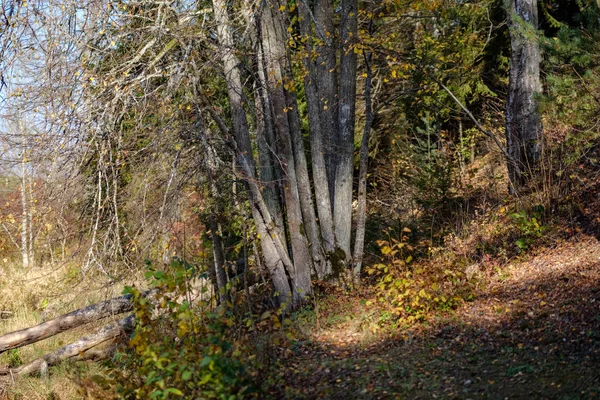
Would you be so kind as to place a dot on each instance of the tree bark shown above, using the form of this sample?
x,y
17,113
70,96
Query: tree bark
x,y
78,348
327,84
342,204
361,213
307,206
273,247
523,122
311,227
274,255
317,146
269,170
275,53
219,260
30,210
317,143
25,213
65,322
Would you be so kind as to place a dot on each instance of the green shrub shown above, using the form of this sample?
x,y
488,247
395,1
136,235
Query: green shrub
x,y
411,291
529,226
179,351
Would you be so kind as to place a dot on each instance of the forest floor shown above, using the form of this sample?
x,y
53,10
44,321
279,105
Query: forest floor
x,y
531,332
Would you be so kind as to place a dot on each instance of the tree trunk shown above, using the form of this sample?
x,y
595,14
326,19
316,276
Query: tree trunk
x,y
327,85
317,146
30,210
77,349
24,213
65,322
219,259
273,247
361,214
342,204
523,122
278,82
307,206
269,170
274,255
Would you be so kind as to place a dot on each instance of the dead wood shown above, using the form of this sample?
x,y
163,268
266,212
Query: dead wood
x,y
94,312
81,349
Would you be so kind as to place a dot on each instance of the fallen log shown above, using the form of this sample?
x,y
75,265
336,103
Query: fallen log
x,y
81,349
94,312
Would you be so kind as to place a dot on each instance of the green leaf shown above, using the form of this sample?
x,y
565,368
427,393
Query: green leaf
x,y
186,375
205,361
174,391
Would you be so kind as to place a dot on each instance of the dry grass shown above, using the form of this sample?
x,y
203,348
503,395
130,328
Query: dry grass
x,y
35,295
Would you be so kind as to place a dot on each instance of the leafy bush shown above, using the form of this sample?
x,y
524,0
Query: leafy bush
x,y
179,351
414,291
529,227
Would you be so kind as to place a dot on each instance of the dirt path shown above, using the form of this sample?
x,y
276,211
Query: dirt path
x,y
532,333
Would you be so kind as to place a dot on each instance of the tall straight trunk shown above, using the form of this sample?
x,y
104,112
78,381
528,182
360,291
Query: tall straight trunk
x,y
523,122
342,203
31,248
275,256
275,53
269,171
24,214
307,206
327,84
317,146
361,213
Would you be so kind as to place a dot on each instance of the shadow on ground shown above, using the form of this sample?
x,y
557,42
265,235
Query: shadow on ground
x,y
534,334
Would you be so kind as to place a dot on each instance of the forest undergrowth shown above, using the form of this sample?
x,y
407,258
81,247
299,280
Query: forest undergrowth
x,y
349,199
530,330
509,308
